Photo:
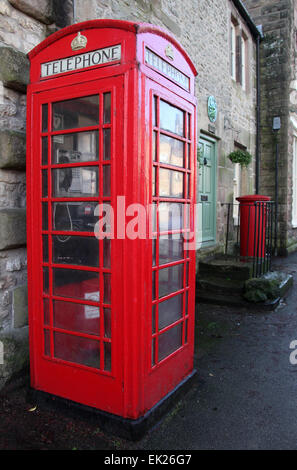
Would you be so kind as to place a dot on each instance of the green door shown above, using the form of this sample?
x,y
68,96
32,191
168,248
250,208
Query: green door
x,y
206,192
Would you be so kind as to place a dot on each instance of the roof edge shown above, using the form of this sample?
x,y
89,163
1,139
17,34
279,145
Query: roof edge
x,y
248,19
134,27
102,23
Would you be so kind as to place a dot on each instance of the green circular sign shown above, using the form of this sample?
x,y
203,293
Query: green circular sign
x,y
212,109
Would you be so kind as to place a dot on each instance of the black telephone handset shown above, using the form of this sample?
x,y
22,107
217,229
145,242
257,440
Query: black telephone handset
x,y
65,183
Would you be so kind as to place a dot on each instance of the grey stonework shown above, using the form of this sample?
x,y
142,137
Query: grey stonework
x,y
12,228
12,149
278,81
14,71
41,10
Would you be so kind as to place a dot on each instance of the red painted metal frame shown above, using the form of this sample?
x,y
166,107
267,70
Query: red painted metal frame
x,y
133,386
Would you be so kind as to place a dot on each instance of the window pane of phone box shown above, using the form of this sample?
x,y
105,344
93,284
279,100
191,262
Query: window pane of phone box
x,y
171,183
78,112
170,310
171,118
74,216
170,279
75,182
170,341
171,151
170,216
76,284
82,251
76,317
171,248
76,349
75,148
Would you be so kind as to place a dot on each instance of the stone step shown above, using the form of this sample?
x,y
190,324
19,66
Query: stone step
x,y
219,285
224,268
234,300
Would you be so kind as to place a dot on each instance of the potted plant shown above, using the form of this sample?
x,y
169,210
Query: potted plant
x,y
243,157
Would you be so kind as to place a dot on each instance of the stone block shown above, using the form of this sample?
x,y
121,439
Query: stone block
x,y
14,71
14,349
41,10
20,306
12,149
12,228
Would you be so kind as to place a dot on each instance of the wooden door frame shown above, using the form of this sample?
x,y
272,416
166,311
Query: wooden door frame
x,y
204,136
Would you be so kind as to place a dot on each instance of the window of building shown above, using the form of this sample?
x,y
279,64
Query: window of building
x,y
238,54
233,51
294,184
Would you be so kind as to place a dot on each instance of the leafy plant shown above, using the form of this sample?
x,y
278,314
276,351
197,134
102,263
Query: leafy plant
x,y
242,157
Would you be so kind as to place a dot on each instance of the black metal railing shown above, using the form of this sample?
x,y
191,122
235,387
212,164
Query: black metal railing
x,y
250,234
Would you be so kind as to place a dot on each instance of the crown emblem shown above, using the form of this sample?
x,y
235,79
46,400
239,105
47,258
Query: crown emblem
x,y
169,52
79,42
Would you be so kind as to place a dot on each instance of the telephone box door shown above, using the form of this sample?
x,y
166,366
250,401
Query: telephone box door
x,y
76,345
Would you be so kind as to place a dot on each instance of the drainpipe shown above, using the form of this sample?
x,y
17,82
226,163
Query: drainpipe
x,y
258,108
258,115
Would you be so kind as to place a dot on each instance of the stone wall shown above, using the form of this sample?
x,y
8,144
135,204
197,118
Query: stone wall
x,y
278,75
23,24
203,30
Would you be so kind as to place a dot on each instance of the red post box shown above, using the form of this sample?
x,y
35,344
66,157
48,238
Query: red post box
x,y
111,184
252,225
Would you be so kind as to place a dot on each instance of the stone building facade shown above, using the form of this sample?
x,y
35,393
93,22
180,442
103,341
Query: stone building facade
x,y
221,40
279,99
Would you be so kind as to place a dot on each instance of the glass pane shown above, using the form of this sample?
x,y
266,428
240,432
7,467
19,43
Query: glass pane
x,y
155,136
154,247
153,351
186,331
74,216
44,183
75,182
189,156
106,108
44,145
107,357
106,144
106,180
47,343
170,279
171,151
76,349
107,322
45,248
78,112
46,312
106,252
170,311
171,118
170,341
44,117
153,285
170,216
76,317
76,284
107,288
170,248
75,148
154,181
45,281
83,251
189,126
171,183
154,319
44,216
155,111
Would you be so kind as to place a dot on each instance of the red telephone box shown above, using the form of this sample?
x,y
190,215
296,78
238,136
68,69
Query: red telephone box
x,y
111,180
